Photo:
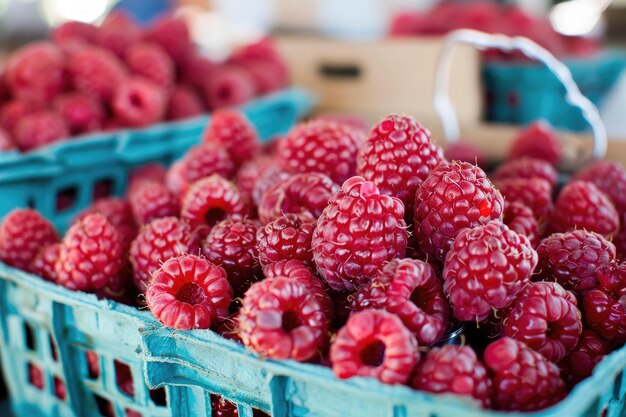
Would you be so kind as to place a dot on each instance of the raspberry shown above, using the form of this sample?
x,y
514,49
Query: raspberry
x,y
523,380
572,258
196,69
375,344
39,129
485,269
152,63
456,370
579,363
228,86
232,131
82,113
409,289
171,34
118,213
521,220
207,159
534,193
6,142
221,407
466,152
267,75
91,255
454,196
355,122
610,178
270,178
95,71
158,241
210,200
152,200
581,205
526,168
358,232
398,156
283,318
304,194
175,179
231,244
620,241
118,33
539,141
13,111
22,233
35,376
138,102
229,328
43,264
35,72
189,292
287,237
603,306
319,146
70,32
252,171
152,172
183,103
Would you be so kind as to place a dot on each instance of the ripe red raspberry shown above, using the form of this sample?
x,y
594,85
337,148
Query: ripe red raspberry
x,y
619,240
454,196
354,121
526,168
409,289
138,102
158,241
152,200
610,178
210,200
175,179
91,256
374,343
152,172
456,370
581,205
485,269
546,319
35,72
6,142
151,62
287,237
534,193
304,194
572,258
183,103
82,113
521,219
22,233
271,178
523,380
171,34
13,111
397,156
207,159
39,129
283,318
252,171
228,86
43,264
118,33
267,75
539,141
95,71
196,69
229,328
603,306
231,130
70,32
579,363
189,292
118,213
319,146
466,152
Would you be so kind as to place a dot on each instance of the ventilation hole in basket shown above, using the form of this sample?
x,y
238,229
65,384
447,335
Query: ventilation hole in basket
x,y
605,411
159,396
53,349
132,413
124,378
259,413
102,189
105,407
35,376
512,99
59,388
93,364
30,202
220,406
29,337
66,198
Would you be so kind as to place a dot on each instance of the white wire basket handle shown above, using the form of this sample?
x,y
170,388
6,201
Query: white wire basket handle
x,y
481,40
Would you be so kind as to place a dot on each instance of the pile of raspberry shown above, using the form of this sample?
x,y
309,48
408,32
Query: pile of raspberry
x,y
365,252
117,75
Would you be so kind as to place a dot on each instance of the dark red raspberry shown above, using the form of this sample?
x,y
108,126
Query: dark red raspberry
x,y
6,142
183,103
82,113
347,119
303,194
118,213
610,178
546,319
409,289
152,200
118,33
319,146
267,75
228,86
231,244
603,306
35,72
523,380
23,232
572,258
359,231
231,130
196,69
189,292
619,240
374,343
539,141
534,193
91,256
221,407
171,34
138,102
398,156
229,328
158,241
527,168
454,196
284,318
485,269
579,363
70,32
95,71
151,62
210,200
456,370
13,111
252,171
206,159
581,205
287,237
39,129
270,178
43,264
521,219
466,152
153,172
175,179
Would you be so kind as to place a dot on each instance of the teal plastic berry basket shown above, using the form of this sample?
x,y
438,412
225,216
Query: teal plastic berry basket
x,y
73,169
